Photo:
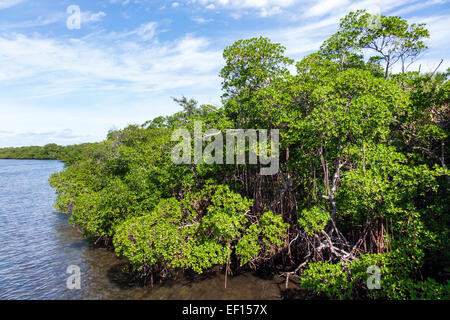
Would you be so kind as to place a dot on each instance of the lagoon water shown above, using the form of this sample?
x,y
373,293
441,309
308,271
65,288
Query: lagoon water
x,y
37,244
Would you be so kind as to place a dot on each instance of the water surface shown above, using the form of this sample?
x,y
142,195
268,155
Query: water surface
x,y
37,244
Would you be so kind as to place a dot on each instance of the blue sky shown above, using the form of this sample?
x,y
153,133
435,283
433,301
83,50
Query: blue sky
x,y
129,57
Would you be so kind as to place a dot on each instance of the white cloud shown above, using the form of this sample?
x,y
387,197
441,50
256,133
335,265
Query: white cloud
x,y
384,5
236,15
258,4
305,38
97,16
325,6
116,78
9,3
439,31
87,16
417,6
27,138
57,67
147,31
270,12
175,4
122,2
201,20
301,9
91,86
40,21
264,8
320,8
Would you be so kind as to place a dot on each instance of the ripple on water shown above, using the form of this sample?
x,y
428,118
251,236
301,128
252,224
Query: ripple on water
x,y
38,244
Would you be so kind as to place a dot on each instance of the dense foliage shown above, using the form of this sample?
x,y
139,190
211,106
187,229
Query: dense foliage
x,y
363,180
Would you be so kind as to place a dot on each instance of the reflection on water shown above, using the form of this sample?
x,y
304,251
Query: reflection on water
x,y
37,245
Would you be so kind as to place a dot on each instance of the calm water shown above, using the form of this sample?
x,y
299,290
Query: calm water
x,y
37,245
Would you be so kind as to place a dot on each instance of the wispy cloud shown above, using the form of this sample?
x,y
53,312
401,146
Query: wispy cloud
x,y
145,31
39,22
119,71
201,20
265,8
78,65
88,16
9,3
56,17
323,7
248,3
270,12
418,5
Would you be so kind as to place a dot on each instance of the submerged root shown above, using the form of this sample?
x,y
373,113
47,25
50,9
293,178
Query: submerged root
x,y
330,246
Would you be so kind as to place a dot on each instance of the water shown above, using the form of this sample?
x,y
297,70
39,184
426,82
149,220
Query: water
x,y
37,244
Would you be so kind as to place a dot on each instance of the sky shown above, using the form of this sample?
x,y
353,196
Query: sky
x,y
66,82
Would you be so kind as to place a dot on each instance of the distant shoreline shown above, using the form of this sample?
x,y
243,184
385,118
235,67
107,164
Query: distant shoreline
x,y
29,159
48,152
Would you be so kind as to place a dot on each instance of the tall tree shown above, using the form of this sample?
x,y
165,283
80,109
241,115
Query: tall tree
x,y
391,38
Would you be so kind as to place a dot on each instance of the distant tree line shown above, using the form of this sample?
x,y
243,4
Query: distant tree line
x,y
68,154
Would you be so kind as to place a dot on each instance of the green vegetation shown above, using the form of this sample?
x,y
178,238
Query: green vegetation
x,y
50,151
363,179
